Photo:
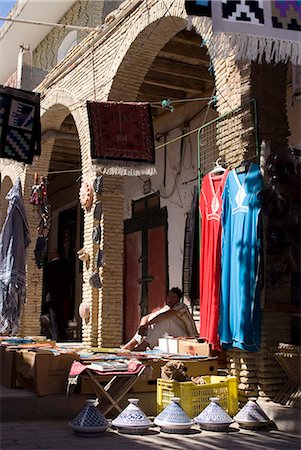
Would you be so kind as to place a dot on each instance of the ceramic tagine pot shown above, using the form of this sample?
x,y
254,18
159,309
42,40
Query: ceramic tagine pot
x,y
132,419
89,421
173,419
251,416
213,417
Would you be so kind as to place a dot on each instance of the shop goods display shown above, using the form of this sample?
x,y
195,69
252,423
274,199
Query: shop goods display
x,y
98,185
96,235
84,311
95,281
173,418
251,416
86,193
98,210
213,417
89,420
132,420
99,258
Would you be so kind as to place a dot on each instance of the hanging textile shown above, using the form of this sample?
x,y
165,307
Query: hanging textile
x,y
239,324
198,7
210,260
14,239
20,127
39,198
252,30
191,253
257,29
122,139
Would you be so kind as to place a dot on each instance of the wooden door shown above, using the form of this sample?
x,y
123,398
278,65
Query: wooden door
x,y
146,263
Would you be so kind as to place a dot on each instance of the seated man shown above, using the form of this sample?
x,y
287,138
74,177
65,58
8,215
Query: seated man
x,y
173,319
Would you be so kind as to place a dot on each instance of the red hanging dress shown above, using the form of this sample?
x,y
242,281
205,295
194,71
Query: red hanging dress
x,y
210,258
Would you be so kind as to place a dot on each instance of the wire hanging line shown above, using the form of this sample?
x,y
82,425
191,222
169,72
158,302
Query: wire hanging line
x,y
51,24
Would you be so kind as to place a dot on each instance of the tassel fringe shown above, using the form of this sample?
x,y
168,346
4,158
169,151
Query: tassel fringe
x,y
254,48
124,168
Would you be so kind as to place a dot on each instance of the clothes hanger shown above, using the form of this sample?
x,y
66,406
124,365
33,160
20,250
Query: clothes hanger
x,y
218,167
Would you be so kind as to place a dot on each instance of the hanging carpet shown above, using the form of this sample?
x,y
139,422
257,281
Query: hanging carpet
x,y
122,139
268,29
20,127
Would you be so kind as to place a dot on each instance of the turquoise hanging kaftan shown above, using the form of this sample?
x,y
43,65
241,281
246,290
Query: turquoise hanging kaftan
x,y
239,324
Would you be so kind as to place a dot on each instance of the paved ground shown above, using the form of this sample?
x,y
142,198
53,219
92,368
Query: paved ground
x,y
57,435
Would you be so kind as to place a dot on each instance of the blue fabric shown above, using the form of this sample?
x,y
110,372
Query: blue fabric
x,y
198,7
14,239
239,324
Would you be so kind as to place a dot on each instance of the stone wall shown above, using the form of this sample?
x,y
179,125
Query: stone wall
x,y
83,13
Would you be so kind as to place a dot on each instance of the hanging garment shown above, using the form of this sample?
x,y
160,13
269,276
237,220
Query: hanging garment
x,y
210,261
191,252
14,239
239,324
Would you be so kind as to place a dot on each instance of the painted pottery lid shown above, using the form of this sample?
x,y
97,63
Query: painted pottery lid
x,y
86,195
96,234
173,414
251,413
95,281
99,258
98,210
214,413
90,418
132,417
98,184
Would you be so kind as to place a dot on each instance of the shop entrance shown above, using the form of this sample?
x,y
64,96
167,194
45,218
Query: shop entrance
x,y
146,262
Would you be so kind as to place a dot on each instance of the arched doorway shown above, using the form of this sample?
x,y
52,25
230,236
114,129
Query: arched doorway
x,y
63,180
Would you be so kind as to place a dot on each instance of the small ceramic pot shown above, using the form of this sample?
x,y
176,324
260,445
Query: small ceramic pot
x,y
89,421
213,417
173,419
132,420
252,416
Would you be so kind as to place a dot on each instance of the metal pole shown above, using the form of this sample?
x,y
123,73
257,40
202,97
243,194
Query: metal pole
x,y
50,24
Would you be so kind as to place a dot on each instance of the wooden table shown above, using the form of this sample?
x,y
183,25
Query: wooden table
x,y
109,393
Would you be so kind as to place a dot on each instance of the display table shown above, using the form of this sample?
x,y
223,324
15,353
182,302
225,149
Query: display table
x,y
110,392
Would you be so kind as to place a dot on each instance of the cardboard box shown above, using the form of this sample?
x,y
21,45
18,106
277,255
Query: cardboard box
x,y
42,372
7,367
168,345
193,347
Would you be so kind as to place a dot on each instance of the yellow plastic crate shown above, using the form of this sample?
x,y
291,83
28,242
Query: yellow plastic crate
x,y
194,398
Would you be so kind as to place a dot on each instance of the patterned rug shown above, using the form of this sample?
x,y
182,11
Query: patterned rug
x,y
122,139
268,29
20,127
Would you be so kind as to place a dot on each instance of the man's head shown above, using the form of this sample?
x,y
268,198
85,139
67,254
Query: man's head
x,y
174,295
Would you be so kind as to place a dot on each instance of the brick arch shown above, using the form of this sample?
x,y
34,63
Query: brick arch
x,y
145,37
55,108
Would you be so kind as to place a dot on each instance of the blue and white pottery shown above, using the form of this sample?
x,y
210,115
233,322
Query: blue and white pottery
x,y
251,416
89,420
214,417
132,420
173,419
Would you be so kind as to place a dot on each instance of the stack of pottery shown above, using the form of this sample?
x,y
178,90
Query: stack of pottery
x,y
213,417
132,419
251,416
89,421
173,419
